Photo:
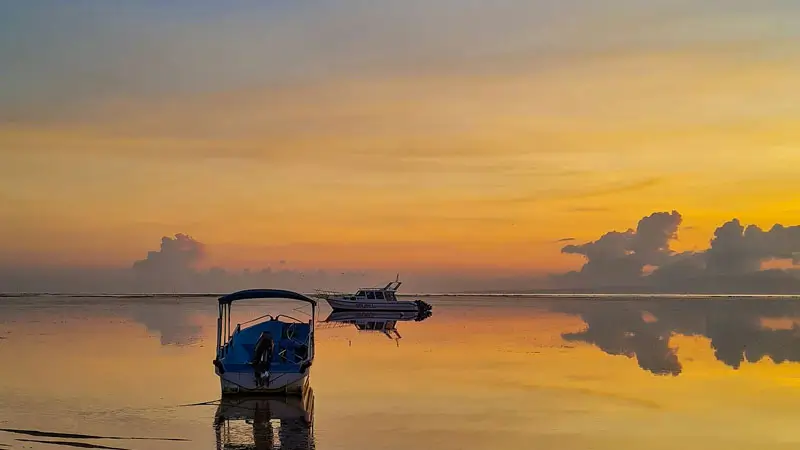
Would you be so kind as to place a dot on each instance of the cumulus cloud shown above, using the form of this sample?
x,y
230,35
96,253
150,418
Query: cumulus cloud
x,y
172,266
176,253
620,257
738,250
733,260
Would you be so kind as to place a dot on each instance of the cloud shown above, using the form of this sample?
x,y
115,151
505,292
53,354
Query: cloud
x,y
153,49
618,189
739,250
178,267
180,252
639,259
732,263
620,257
173,264
174,268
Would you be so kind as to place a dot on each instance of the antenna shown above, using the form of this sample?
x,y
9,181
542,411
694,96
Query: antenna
x,y
393,285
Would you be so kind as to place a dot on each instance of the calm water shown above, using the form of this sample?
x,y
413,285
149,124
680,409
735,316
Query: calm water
x,y
480,373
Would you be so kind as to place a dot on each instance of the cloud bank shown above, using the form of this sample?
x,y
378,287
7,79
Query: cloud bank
x,y
176,266
639,259
643,258
173,268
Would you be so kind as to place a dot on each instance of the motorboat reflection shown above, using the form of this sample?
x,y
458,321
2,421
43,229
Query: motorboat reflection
x,y
384,322
265,422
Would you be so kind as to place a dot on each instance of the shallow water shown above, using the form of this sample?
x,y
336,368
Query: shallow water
x,y
492,372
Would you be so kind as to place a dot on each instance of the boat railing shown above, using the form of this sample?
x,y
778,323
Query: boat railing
x,y
309,343
223,351
265,316
325,293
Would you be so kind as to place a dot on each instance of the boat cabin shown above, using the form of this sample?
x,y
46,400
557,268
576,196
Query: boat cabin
x,y
375,294
386,293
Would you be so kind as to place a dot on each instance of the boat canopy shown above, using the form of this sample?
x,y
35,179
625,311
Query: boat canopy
x,y
249,294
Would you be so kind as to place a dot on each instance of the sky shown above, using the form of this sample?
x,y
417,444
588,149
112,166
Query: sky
x,y
449,137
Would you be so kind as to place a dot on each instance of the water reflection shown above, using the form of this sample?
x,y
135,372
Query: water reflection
x,y
505,374
384,322
174,325
285,423
739,330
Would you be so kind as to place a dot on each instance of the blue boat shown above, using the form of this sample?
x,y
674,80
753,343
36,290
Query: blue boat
x,y
271,354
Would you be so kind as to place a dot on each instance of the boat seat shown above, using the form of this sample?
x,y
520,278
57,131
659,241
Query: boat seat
x,y
289,350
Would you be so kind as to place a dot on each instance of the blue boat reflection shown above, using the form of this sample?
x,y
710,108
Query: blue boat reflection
x,y
265,422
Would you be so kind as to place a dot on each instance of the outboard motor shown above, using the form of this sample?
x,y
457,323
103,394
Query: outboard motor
x,y
262,358
422,315
424,310
422,306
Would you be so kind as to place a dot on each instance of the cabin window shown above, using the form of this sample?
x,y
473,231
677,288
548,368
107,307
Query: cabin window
x,y
370,295
390,296
379,295
360,294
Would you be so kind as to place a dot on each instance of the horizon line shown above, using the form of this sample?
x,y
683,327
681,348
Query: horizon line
x,y
540,294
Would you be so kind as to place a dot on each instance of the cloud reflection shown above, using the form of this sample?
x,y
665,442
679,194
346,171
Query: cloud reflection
x,y
174,323
623,331
642,329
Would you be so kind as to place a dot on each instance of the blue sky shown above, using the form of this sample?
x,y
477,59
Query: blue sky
x,y
57,52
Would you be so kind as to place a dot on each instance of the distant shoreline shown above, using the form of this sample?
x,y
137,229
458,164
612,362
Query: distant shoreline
x,y
562,294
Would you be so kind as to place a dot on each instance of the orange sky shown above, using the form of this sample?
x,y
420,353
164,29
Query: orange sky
x,y
434,161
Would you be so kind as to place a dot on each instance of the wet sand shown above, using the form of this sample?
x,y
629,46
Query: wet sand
x,y
482,372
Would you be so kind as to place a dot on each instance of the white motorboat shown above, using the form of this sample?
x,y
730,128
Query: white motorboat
x,y
372,299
